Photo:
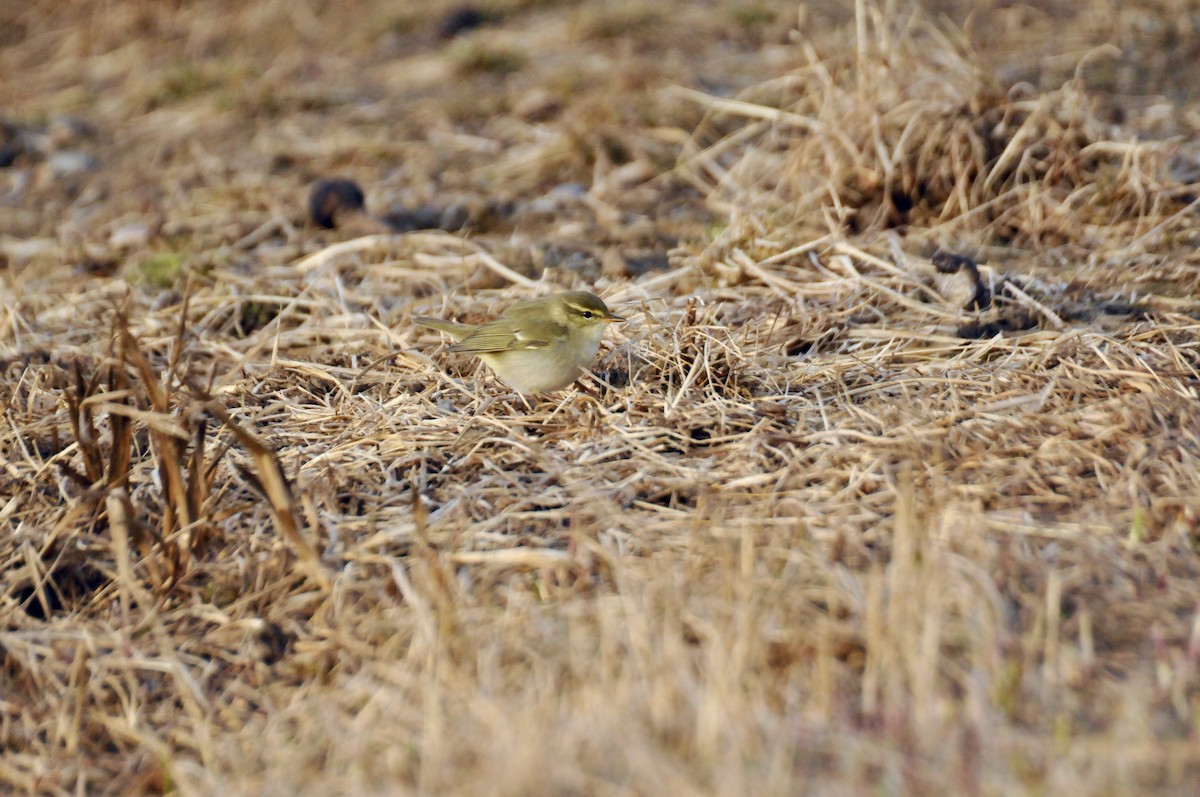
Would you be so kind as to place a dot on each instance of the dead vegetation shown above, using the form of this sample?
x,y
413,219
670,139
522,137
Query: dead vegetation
x,y
890,484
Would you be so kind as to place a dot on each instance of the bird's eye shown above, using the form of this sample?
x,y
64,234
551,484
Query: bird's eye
x,y
588,314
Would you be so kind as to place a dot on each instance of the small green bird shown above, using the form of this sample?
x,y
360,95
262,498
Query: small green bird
x,y
537,345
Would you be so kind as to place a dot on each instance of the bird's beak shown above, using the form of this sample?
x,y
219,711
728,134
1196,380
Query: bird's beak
x,y
613,318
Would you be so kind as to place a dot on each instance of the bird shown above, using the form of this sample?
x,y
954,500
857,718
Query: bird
x,y
538,345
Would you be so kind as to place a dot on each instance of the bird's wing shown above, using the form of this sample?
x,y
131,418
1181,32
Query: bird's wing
x,y
498,337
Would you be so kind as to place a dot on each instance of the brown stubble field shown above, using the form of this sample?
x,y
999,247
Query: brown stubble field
x,y
841,512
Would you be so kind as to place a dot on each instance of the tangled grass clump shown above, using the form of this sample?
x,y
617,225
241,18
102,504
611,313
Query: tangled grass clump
x,y
894,125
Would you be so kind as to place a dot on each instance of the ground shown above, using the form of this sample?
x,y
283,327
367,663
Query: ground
x,y
888,484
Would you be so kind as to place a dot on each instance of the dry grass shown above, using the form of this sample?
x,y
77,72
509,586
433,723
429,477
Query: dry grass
x,y
822,529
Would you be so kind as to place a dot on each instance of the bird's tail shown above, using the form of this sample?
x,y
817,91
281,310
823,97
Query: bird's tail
x,y
454,330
